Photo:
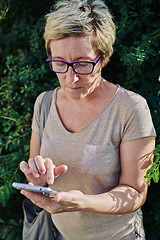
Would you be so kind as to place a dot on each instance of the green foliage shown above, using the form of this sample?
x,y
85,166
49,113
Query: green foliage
x,y
4,7
12,231
24,74
153,172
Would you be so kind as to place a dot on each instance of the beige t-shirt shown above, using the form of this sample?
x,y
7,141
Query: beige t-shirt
x,y
92,157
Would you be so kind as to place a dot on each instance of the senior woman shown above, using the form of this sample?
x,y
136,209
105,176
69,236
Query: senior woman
x,y
98,140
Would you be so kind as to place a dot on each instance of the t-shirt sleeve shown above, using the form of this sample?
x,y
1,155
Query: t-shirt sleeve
x,y
139,124
36,114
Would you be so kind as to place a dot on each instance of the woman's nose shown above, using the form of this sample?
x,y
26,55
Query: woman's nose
x,y
71,76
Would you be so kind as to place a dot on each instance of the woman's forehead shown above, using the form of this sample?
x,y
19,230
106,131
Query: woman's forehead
x,y
74,44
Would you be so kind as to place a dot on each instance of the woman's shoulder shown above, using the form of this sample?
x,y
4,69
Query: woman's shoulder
x,y
41,96
129,98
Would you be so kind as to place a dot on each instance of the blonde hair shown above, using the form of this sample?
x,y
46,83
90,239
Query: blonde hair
x,y
82,17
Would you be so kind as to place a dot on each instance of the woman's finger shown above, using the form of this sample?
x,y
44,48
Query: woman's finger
x,y
39,162
42,201
60,170
50,170
33,168
36,198
24,167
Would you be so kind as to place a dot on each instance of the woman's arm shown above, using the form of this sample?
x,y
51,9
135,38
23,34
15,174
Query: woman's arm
x,y
34,145
136,157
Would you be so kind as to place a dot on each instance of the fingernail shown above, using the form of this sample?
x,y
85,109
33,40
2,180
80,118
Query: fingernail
x,y
50,181
36,175
43,173
24,169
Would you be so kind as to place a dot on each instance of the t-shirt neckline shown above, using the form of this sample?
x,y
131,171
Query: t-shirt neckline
x,y
91,122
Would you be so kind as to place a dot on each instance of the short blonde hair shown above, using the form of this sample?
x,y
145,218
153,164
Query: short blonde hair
x,y
82,17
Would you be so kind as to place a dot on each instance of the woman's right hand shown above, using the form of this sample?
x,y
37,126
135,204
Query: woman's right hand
x,y
41,171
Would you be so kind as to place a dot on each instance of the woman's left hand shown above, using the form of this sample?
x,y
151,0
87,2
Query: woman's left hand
x,y
61,202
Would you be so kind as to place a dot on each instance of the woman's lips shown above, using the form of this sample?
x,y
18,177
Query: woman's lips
x,y
74,88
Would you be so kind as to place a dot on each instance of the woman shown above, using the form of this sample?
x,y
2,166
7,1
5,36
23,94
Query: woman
x,y
99,138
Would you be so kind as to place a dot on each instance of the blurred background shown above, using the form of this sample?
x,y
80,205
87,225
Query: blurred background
x,y
24,73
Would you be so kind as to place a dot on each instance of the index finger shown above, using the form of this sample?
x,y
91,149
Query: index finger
x,y
50,170
39,161
24,167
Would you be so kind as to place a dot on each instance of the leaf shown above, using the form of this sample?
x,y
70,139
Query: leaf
x,y
5,123
156,176
26,147
154,166
156,153
157,159
6,193
27,116
1,220
149,181
149,171
13,222
2,198
10,186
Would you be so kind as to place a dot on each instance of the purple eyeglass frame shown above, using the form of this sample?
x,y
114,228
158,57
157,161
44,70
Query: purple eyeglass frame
x,y
71,64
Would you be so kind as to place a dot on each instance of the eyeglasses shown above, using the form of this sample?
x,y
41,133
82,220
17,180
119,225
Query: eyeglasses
x,y
80,67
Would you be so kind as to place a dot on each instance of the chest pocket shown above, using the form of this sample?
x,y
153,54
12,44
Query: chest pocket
x,y
100,159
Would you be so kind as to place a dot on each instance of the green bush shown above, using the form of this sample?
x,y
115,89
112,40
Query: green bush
x,y
24,74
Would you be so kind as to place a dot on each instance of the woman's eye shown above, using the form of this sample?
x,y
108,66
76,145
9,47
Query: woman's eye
x,y
82,64
60,64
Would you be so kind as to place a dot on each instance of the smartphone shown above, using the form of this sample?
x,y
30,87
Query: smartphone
x,y
47,191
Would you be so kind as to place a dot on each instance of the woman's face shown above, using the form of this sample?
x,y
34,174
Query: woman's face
x,y
72,49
